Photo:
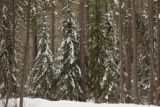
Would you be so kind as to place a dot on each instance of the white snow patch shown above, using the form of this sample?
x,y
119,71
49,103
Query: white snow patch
x,y
116,2
28,102
55,13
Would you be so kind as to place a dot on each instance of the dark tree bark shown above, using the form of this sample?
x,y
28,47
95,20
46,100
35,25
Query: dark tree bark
x,y
12,57
151,34
129,54
53,29
158,65
122,94
135,83
25,68
82,48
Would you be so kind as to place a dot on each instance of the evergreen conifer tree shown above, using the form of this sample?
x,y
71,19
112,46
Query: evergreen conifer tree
x,y
69,71
43,72
6,52
109,83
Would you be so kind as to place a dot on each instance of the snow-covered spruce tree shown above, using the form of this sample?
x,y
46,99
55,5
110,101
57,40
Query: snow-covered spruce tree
x,y
43,72
7,68
69,71
109,83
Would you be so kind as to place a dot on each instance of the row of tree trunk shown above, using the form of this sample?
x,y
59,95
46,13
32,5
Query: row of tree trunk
x,y
32,50
12,54
153,89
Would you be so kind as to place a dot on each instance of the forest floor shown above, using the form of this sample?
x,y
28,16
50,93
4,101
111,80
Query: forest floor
x,y
28,102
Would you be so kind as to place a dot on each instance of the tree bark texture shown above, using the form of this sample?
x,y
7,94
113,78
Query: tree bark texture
x,y
158,65
53,29
122,94
128,54
82,46
135,82
151,47
25,68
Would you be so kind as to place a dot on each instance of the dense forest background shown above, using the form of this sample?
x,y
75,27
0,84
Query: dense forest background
x,y
106,51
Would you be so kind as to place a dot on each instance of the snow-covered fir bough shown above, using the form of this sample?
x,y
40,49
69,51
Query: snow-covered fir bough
x,y
44,72
69,71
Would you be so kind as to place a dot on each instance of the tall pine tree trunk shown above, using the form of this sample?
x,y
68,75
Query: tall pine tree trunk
x,y
53,29
53,40
158,65
129,54
135,83
82,48
25,69
122,94
12,55
151,34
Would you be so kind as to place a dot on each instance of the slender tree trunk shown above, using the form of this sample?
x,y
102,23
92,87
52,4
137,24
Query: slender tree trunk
x,y
129,54
82,48
53,40
11,68
53,28
158,65
158,43
135,83
35,50
25,69
122,94
14,34
151,34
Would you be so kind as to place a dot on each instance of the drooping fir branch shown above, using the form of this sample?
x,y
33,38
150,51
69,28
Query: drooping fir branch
x,y
69,71
44,71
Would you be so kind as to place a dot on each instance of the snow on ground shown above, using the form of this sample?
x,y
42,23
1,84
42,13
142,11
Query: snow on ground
x,y
28,102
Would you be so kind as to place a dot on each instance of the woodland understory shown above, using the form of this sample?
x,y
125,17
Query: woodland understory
x,y
105,51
